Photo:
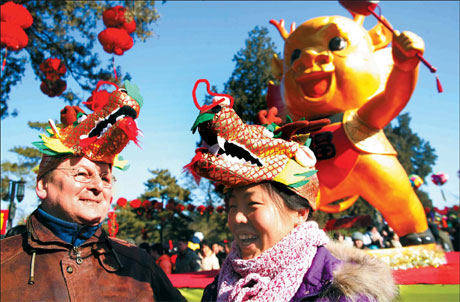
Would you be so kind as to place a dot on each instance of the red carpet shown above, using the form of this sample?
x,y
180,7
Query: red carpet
x,y
445,274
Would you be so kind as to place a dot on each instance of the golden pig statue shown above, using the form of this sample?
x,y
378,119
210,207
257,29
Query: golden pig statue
x,y
332,69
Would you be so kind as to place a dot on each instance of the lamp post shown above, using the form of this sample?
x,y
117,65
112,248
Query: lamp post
x,y
16,188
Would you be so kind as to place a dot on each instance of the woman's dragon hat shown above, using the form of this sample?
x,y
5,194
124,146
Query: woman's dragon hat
x,y
236,154
99,136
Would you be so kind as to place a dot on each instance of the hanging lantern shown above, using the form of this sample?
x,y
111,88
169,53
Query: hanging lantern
x,y
14,19
439,178
121,202
115,40
201,209
220,209
136,203
119,17
210,209
190,207
53,69
170,206
416,181
180,207
13,37
53,89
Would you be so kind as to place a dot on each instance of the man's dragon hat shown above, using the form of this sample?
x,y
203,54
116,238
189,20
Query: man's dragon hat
x,y
99,136
236,154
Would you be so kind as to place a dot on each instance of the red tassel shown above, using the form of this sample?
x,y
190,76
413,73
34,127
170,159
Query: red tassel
x,y
189,166
4,58
438,85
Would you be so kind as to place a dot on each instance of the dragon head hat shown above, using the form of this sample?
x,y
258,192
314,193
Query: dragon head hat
x,y
237,154
99,136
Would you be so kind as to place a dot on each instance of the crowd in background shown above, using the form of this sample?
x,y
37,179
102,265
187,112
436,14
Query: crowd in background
x,y
186,256
445,229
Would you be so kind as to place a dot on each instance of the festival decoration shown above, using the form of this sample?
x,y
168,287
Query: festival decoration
x,y
440,179
101,135
120,23
190,207
220,209
415,180
52,70
201,209
236,154
135,203
348,222
14,19
121,202
112,224
334,68
367,7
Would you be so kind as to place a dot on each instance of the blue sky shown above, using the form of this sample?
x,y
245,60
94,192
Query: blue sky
x,y
198,39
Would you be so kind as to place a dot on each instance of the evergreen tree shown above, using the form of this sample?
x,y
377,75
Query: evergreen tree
x,y
248,83
68,30
159,213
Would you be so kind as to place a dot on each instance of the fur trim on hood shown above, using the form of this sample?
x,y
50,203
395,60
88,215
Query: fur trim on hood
x,y
360,276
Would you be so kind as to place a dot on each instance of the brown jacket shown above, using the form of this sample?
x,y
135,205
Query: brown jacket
x,y
38,266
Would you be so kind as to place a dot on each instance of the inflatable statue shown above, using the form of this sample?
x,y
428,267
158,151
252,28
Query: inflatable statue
x,y
334,68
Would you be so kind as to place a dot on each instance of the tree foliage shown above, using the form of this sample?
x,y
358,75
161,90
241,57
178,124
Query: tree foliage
x,y
68,30
158,218
248,83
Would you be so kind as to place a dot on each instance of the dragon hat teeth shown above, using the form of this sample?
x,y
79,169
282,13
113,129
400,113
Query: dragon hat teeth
x,y
236,154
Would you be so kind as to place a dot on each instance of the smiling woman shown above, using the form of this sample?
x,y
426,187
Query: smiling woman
x,y
277,254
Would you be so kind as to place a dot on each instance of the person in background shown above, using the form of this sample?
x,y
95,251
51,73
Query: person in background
x,y
208,260
162,259
358,240
376,238
278,253
338,236
218,249
187,260
66,255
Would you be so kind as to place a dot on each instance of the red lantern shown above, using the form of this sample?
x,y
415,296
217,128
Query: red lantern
x,y
121,202
146,204
13,37
119,17
158,205
135,203
53,69
15,13
115,40
220,209
180,208
210,209
170,206
201,209
190,207
53,89
439,179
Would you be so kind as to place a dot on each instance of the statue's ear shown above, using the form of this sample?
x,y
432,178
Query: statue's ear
x,y
277,67
380,35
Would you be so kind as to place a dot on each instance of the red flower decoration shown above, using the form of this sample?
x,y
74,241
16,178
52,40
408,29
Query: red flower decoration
x,y
190,207
97,100
122,201
135,203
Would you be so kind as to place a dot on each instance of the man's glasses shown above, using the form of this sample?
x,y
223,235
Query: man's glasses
x,y
84,176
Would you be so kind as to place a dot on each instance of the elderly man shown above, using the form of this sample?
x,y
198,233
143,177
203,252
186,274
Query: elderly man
x,y
65,255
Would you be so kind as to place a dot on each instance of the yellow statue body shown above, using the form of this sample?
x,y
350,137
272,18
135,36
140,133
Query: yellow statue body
x,y
333,67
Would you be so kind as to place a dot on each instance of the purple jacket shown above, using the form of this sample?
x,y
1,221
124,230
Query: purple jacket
x,y
318,283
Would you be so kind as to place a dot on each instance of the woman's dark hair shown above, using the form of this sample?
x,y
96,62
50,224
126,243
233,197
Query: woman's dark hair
x,y
205,242
291,199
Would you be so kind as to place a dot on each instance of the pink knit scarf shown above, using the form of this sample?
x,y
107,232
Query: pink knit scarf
x,y
274,275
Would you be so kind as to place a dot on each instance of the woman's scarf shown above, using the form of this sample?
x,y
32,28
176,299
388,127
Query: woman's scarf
x,y
274,275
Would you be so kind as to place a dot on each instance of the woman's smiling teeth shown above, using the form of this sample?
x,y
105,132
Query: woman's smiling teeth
x,y
247,239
